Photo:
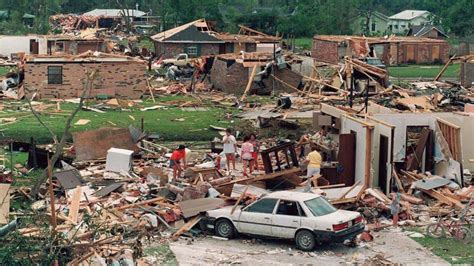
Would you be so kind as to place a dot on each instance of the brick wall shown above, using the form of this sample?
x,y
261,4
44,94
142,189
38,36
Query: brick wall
x,y
234,78
171,50
325,51
423,53
115,79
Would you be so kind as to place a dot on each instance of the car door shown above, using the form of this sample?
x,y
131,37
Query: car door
x,y
257,218
287,219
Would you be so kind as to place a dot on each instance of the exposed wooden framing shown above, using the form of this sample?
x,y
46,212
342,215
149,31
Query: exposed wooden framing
x,y
322,82
289,85
452,135
364,124
380,121
249,83
54,222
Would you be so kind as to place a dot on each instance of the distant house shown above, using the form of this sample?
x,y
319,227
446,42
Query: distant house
x,y
401,22
378,24
28,19
62,76
196,39
12,46
427,31
110,17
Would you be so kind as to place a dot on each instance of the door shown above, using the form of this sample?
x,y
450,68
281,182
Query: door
x,y
34,46
383,160
346,158
256,219
435,53
286,220
410,53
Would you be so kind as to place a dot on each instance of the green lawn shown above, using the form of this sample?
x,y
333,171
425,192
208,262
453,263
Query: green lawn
x,y
165,122
448,248
4,70
305,43
423,71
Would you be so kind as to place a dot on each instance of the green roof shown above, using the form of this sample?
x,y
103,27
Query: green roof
x,y
3,13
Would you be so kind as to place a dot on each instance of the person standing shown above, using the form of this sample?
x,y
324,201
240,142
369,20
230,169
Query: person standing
x,y
246,155
395,205
230,146
175,161
256,148
314,160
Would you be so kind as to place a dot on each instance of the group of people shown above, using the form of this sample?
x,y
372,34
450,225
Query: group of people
x,y
248,152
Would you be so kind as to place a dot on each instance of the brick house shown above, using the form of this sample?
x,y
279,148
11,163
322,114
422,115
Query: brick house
x,y
392,51
197,39
64,76
71,45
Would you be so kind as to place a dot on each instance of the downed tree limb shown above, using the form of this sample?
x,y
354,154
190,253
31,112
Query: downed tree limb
x,y
59,147
444,68
249,83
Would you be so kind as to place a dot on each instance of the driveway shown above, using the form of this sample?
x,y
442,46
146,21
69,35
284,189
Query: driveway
x,y
388,245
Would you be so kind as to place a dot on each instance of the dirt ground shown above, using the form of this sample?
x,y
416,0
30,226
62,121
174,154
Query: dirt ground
x,y
393,245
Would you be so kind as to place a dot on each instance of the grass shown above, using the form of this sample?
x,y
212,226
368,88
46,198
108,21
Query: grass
x,y
423,71
305,43
4,70
448,248
164,122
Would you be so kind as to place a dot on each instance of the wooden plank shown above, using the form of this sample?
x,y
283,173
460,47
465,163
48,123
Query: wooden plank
x,y
439,196
187,226
444,67
74,206
368,157
249,83
136,204
350,189
239,200
4,203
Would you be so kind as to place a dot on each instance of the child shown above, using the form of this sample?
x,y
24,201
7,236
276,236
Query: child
x,y
246,155
256,148
175,161
230,146
395,206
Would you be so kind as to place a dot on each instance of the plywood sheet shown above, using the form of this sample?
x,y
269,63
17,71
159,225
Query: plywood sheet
x,y
94,144
193,207
4,203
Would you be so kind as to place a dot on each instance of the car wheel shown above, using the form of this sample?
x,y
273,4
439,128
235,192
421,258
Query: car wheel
x,y
305,240
224,228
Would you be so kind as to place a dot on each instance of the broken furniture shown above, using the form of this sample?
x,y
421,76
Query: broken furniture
x,y
288,152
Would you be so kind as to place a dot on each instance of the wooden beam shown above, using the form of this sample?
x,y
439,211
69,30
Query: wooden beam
x,y
239,200
350,189
444,68
249,83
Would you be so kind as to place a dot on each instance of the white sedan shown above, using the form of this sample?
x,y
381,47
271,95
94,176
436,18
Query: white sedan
x,y
305,217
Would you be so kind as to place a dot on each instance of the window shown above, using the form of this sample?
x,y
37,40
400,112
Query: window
x,y
59,47
288,208
396,27
263,206
192,50
319,206
373,26
55,75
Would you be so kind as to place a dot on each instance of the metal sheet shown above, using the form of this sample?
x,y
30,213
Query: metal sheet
x,y
108,189
430,183
69,179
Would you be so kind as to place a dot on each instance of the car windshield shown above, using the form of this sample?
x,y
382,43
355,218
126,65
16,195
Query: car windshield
x,y
319,206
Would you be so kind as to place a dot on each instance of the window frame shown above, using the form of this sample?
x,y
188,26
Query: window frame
x,y
53,77
247,209
296,205
193,48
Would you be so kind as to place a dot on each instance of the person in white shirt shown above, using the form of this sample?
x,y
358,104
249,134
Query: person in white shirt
x,y
230,147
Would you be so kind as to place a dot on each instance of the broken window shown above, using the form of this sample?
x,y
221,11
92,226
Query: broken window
x,y
55,75
288,208
192,50
262,206
59,47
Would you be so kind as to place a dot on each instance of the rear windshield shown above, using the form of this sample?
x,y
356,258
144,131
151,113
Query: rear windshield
x,y
319,206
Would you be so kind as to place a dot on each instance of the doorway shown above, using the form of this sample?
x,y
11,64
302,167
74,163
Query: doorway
x,y
383,160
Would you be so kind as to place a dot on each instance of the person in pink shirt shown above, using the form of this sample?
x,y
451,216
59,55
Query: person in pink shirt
x,y
247,155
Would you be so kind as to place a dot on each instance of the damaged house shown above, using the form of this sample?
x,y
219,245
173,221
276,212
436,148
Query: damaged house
x,y
62,76
394,50
196,38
